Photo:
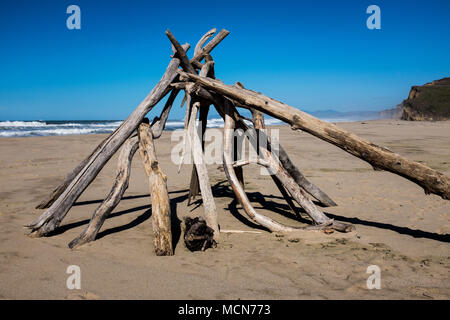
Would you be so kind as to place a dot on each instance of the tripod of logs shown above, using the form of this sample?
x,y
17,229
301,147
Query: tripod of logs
x,y
196,77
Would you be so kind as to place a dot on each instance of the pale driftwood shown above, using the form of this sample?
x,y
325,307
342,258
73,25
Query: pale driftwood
x,y
159,123
184,60
194,187
113,198
53,216
431,180
203,39
313,190
200,91
47,202
202,172
209,47
302,181
122,179
258,124
287,164
289,184
234,182
239,231
161,215
244,162
322,222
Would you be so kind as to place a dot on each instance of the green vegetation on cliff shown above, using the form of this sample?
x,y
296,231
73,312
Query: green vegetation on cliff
x,y
428,102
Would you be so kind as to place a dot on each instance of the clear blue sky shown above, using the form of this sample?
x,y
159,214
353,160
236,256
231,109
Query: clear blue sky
x,y
315,55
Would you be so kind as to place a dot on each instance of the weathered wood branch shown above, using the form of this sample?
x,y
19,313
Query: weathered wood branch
x,y
234,182
287,164
67,195
209,47
122,179
242,197
431,180
161,214
50,199
202,172
53,216
258,124
194,187
285,182
299,178
115,195
159,123
203,39
184,60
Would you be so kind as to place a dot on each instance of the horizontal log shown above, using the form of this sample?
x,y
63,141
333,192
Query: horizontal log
x,y
430,180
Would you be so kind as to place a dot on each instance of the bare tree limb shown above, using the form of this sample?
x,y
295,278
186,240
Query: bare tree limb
x,y
161,213
113,198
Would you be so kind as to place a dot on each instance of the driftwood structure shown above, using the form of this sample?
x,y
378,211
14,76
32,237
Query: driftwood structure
x,y
196,78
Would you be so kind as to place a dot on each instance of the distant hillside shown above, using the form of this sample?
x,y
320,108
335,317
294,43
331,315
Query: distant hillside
x,y
428,102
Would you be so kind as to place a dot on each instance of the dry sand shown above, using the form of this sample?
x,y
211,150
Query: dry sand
x,y
398,227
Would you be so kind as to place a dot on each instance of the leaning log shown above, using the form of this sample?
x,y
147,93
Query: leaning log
x,y
297,193
194,187
53,216
430,180
258,124
50,199
161,215
202,171
113,198
299,178
241,196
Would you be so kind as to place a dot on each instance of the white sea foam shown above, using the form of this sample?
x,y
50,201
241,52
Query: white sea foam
x,y
55,128
62,128
22,124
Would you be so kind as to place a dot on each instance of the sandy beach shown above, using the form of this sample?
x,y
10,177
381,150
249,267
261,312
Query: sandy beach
x,y
397,226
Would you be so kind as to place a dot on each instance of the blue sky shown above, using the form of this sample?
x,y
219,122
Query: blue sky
x,y
314,55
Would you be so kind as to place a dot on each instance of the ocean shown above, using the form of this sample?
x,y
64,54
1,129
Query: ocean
x,y
71,127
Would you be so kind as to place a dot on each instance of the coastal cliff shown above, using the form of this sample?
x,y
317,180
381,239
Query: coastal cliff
x,y
428,102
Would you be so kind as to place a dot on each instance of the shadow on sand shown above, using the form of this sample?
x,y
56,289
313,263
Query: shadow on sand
x,y
260,201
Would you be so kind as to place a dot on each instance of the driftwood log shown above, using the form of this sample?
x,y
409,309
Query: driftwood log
x,y
196,77
380,158
53,216
161,224
113,198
